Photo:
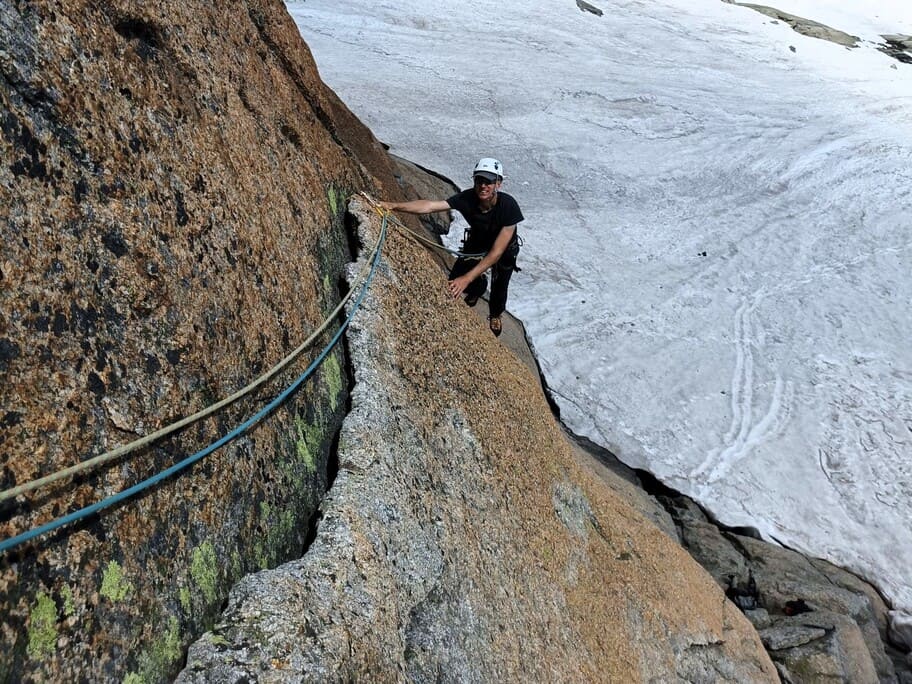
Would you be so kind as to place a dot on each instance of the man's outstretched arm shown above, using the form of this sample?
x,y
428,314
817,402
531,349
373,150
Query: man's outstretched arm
x,y
417,206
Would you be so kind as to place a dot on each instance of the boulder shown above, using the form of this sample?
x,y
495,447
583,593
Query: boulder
x,y
782,576
839,652
780,636
589,7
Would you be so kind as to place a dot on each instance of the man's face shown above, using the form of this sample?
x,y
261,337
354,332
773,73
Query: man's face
x,y
486,189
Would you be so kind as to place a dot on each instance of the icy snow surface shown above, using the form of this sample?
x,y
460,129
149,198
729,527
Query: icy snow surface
x,y
716,270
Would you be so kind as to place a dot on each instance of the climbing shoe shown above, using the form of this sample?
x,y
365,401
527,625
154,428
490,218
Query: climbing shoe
x,y
471,301
496,328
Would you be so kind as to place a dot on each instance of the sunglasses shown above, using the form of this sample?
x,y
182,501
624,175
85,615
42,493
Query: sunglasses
x,y
483,181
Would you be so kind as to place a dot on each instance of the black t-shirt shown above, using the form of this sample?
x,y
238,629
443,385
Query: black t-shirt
x,y
485,226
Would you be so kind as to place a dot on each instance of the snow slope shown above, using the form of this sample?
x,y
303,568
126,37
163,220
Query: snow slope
x,y
717,244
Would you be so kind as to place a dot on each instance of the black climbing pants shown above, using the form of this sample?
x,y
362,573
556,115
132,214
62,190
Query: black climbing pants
x,y
501,272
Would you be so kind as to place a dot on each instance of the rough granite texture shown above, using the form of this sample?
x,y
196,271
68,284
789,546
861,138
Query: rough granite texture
x,y
173,179
461,541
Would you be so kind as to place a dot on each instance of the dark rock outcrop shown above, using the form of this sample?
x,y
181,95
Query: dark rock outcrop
x,y
843,635
817,621
898,46
588,7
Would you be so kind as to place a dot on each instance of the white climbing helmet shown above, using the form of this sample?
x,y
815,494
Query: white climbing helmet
x,y
488,168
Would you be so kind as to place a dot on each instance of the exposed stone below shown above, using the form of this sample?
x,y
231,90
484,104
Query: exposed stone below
x,y
898,46
462,545
901,41
588,7
806,27
839,655
840,601
844,636
759,617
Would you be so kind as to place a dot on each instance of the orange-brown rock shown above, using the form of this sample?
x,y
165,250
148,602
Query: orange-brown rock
x,y
173,178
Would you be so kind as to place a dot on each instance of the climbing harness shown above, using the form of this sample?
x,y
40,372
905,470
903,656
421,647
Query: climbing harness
x,y
374,259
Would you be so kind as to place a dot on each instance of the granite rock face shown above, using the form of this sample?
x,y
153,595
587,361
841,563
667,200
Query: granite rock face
x,y
461,541
173,178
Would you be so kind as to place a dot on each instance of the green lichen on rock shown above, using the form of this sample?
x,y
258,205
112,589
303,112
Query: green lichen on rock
x,y
332,373
332,196
157,663
114,585
204,570
42,633
260,555
237,565
185,599
279,530
69,606
307,435
218,640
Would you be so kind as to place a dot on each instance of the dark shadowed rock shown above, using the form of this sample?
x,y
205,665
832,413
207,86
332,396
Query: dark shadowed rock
x,y
588,7
705,541
420,183
898,46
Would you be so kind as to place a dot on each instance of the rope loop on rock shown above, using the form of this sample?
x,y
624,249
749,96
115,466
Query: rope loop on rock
x,y
383,211
183,422
366,275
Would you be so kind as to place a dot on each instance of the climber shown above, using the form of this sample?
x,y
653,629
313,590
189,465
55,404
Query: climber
x,y
492,217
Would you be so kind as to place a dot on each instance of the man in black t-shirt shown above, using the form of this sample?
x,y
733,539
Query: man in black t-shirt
x,y
492,217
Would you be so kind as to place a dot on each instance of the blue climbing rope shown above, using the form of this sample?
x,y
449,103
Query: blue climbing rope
x,y
12,542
